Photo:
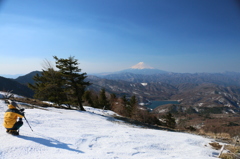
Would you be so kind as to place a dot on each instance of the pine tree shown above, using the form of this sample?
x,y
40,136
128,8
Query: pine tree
x,y
124,100
126,106
113,100
133,106
170,120
103,101
48,86
74,81
87,96
133,101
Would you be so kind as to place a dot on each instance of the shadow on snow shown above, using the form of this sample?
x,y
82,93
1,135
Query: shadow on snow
x,y
50,143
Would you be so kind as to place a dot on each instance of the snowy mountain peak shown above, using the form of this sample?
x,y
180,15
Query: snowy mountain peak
x,y
141,65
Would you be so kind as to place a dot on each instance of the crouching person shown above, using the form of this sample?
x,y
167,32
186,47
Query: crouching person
x,y
13,119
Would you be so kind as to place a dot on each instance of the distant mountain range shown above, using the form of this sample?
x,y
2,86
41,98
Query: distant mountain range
x,y
28,78
142,73
18,85
206,92
7,84
191,90
11,76
140,68
224,79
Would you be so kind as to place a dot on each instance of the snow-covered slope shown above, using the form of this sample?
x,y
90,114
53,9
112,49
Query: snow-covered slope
x,y
61,134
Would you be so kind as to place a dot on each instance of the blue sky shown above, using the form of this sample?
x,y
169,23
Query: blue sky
x,y
111,35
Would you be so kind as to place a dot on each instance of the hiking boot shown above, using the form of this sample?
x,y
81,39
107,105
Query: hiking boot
x,y
13,132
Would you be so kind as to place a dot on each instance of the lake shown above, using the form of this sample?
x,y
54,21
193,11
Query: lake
x,y
159,103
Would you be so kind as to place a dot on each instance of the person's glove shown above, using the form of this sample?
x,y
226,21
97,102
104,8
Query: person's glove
x,y
22,109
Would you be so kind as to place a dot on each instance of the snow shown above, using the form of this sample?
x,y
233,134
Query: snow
x,y
95,134
144,84
141,65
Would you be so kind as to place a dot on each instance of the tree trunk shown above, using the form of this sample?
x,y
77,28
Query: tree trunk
x,y
80,107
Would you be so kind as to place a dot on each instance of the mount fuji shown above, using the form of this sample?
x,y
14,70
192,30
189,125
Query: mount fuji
x,y
141,65
142,68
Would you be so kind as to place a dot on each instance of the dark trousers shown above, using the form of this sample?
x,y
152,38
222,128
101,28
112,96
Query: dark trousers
x,y
16,126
